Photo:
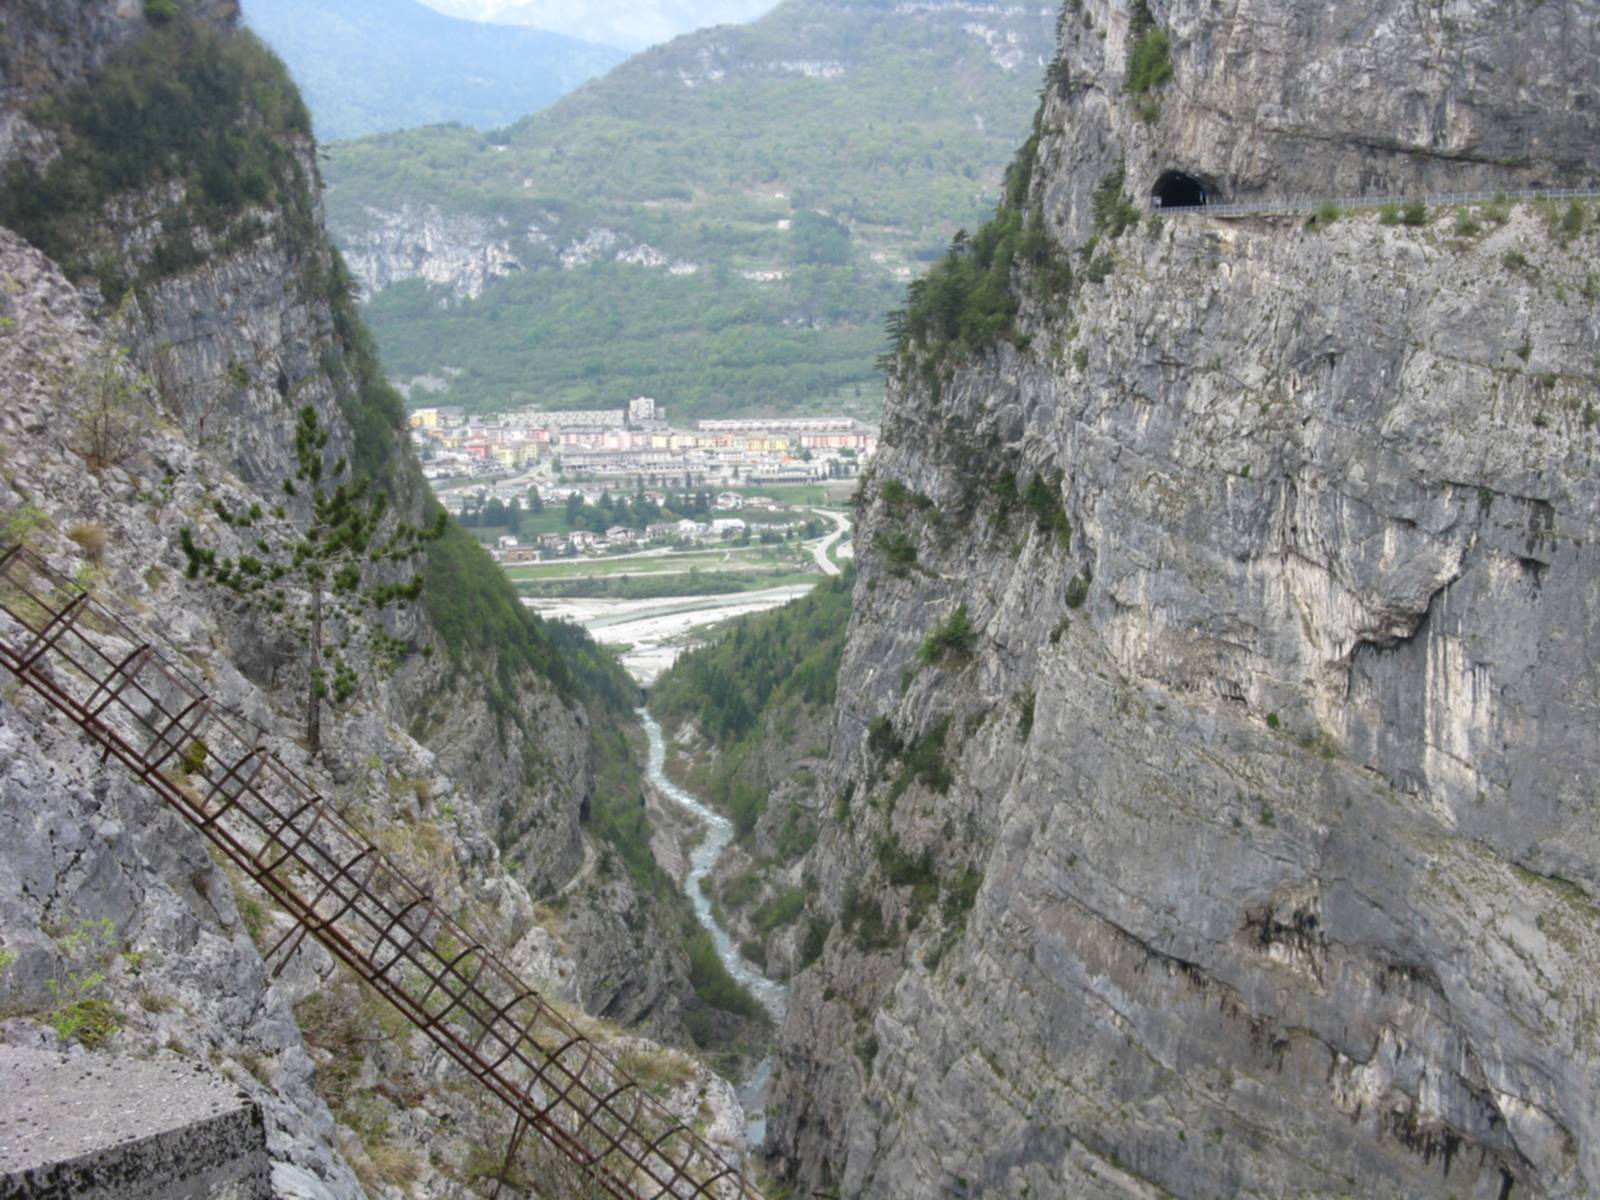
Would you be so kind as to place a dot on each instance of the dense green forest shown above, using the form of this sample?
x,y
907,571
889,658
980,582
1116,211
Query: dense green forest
x,y
736,687
595,338
787,178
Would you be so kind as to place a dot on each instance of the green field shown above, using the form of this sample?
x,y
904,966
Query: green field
x,y
553,519
753,558
463,485
802,495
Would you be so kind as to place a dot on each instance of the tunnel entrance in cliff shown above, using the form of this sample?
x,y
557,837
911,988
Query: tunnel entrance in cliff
x,y
1176,190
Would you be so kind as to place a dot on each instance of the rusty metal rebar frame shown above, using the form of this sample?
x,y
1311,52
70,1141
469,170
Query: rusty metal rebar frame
x,y
213,767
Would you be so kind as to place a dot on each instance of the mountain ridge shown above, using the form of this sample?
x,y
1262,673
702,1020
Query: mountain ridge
x,y
367,66
710,272
632,24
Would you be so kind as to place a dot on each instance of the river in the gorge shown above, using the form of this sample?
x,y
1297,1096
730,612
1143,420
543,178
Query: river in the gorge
x,y
774,997
650,636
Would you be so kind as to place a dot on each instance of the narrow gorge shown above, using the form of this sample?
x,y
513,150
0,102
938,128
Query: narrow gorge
x,y
1182,788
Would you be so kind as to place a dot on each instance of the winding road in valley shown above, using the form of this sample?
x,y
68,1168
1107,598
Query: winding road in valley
x,y
822,550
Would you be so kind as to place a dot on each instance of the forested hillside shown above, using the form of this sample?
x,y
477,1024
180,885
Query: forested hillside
x,y
761,675
750,718
782,182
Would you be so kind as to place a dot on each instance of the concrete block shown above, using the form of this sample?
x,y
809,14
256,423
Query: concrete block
x,y
98,1128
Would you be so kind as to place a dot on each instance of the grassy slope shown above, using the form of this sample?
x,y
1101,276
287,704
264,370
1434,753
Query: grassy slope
x,y
902,148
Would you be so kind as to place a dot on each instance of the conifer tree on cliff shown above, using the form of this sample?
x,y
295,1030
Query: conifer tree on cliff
x,y
326,575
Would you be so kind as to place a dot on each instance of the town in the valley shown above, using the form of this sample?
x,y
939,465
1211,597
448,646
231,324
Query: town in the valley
x,y
538,484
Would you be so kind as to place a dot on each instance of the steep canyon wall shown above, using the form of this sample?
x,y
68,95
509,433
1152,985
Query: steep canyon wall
x,y
1248,847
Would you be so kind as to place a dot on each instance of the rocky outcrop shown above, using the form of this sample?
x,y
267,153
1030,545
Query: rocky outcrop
x,y
105,882
1244,848
47,45
456,251
461,255
1341,99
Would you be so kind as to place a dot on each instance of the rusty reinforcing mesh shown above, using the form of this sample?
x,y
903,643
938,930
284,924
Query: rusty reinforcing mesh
x,y
212,767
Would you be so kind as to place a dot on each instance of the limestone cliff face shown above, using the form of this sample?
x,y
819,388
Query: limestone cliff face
x,y
232,346
216,355
461,254
1276,100
1250,848
456,251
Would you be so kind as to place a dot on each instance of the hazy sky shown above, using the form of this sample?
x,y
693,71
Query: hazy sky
x,y
629,24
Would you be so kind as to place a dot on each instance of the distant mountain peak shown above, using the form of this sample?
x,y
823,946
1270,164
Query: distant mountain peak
x,y
369,66
631,24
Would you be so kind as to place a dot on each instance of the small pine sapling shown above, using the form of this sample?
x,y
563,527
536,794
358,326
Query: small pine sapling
x,y
326,578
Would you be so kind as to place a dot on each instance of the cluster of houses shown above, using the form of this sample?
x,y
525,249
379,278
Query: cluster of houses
x,y
620,537
542,547
636,442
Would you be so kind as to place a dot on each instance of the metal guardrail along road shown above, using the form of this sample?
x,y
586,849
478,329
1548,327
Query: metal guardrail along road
x,y
1256,208
213,768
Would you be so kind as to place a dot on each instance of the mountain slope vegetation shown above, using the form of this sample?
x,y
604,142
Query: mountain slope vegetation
x,y
721,222
742,688
171,305
197,128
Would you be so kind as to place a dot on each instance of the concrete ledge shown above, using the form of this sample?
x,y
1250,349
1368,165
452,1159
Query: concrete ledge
x,y
96,1128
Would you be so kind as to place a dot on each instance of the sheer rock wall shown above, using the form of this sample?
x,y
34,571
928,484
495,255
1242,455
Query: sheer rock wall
x,y
1265,861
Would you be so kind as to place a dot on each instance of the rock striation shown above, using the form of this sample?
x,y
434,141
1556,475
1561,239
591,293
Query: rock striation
x,y
1246,847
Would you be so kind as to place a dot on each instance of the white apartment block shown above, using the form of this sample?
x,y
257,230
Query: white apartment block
x,y
778,425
